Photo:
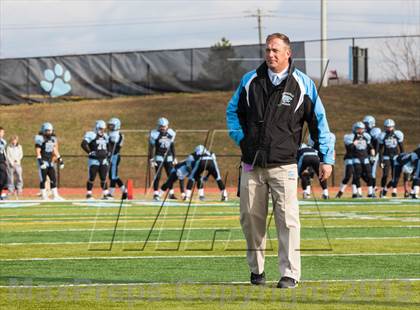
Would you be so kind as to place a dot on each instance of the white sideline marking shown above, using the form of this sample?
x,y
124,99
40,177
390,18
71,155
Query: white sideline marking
x,y
190,256
197,240
205,283
18,205
214,203
193,228
99,202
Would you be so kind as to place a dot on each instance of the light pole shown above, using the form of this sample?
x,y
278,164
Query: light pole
x,y
324,53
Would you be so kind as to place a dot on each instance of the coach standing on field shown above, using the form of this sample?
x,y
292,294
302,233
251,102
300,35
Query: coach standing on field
x,y
265,118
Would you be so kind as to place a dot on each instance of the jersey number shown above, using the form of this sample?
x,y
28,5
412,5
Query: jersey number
x,y
101,145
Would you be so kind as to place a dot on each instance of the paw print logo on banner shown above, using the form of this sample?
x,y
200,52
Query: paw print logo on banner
x,y
56,82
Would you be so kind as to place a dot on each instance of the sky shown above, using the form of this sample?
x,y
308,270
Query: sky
x,y
60,27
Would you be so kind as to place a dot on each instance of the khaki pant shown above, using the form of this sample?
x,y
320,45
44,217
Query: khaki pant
x,y
255,185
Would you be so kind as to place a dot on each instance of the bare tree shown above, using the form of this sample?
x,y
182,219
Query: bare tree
x,y
402,58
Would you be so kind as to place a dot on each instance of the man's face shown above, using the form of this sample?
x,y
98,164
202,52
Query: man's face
x,y
111,127
360,131
277,55
2,133
101,131
389,129
163,129
48,133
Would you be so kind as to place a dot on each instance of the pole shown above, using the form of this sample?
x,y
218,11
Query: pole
x,y
259,15
259,32
324,54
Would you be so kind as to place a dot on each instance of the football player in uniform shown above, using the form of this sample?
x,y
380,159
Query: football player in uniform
x,y
402,165
46,149
96,145
374,133
308,166
116,141
206,162
415,159
3,162
348,164
390,145
162,154
180,171
362,153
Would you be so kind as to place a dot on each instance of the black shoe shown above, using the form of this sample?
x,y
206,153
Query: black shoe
x,y
156,197
414,196
339,194
89,196
406,194
354,196
325,196
286,282
202,198
394,195
258,279
371,195
124,196
172,196
383,193
107,197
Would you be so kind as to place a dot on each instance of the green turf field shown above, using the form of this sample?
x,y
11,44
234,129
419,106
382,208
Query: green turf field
x,y
96,255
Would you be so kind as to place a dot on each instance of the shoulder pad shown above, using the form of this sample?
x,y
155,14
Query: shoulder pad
x,y
399,135
172,133
89,136
54,139
3,142
348,139
375,133
367,137
106,137
39,139
382,137
154,134
114,136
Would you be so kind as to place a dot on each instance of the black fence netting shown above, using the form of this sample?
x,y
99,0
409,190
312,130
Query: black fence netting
x,y
42,79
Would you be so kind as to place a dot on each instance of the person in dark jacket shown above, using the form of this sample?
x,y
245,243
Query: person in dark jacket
x,y
265,117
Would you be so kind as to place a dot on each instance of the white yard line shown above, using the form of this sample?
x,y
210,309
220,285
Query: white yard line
x,y
205,283
197,240
195,228
191,256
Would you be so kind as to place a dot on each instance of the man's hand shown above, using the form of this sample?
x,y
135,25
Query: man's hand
x,y
324,171
153,162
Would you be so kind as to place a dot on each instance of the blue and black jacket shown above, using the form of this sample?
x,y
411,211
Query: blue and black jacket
x,y
267,120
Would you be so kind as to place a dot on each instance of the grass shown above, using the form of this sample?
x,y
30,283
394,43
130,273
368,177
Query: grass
x,y
61,256
345,104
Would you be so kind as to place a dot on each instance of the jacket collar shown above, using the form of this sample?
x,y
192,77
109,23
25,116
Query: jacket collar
x,y
262,73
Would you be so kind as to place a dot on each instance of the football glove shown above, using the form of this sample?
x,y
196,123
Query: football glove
x,y
153,162
60,163
42,164
92,154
